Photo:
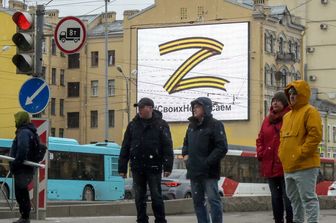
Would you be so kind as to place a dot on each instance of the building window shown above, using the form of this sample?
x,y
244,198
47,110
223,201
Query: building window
x,y
272,43
62,77
73,120
53,132
183,12
53,106
200,11
334,134
268,76
62,54
53,47
281,45
61,107
296,51
268,42
43,72
73,89
111,57
73,61
94,88
328,133
44,48
111,118
61,132
94,119
272,79
111,88
94,59
53,76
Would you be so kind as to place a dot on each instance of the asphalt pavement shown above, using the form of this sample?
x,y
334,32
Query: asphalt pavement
x,y
327,216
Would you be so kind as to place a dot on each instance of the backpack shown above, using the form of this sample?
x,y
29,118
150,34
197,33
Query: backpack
x,y
37,151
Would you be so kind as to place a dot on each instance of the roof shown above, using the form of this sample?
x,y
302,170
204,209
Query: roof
x,y
115,27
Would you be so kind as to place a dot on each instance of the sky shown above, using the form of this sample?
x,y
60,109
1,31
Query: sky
x,y
85,7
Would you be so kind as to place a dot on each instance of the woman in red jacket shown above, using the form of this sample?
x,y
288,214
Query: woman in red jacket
x,y
267,153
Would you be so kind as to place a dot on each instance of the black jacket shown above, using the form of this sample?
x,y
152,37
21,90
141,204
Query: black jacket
x,y
205,143
21,145
148,146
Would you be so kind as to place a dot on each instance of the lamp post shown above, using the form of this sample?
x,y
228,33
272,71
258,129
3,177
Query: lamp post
x,y
127,79
106,76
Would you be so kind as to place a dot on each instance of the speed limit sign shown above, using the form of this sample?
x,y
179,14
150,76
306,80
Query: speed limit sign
x,y
70,35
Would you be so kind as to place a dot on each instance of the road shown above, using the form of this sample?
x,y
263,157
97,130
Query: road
x,y
327,216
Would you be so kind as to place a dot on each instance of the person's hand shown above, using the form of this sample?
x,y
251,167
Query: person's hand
x,y
166,174
185,157
123,175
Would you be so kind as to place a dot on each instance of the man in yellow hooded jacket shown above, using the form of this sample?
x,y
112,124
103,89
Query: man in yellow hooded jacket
x,y
300,136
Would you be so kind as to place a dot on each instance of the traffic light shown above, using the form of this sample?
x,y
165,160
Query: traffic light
x,y
24,41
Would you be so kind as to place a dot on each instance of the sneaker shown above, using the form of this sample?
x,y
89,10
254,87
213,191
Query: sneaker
x,y
22,220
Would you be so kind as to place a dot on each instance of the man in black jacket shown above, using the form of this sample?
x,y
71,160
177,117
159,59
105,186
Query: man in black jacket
x,y
204,146
23,174
147,144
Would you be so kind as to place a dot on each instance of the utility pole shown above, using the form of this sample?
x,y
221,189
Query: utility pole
x,y
38,39
106,76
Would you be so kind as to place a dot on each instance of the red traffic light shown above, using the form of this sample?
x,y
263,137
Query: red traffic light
x,y
23,20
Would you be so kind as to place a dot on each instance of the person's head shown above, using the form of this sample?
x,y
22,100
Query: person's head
x,y
279,101
292,95
21,118
201,107
298,93
146,106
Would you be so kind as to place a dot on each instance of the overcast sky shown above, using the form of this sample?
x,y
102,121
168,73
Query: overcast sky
x,y
84,7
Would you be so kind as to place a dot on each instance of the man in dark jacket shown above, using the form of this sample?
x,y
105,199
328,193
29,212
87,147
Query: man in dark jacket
x,y
204,146
23,174
147,144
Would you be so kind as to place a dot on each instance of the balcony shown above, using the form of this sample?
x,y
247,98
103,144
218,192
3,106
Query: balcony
x,y
285,57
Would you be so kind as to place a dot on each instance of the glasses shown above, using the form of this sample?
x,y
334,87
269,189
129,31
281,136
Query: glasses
x,y
292,91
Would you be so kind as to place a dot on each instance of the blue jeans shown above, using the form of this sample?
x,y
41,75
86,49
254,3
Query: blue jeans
x,y
300,187
140,181
280,201
199,188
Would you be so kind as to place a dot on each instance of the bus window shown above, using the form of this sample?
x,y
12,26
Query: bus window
x,y
327,170
115,166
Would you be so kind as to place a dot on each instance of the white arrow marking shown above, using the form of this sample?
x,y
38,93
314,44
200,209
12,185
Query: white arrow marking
x,y
30,99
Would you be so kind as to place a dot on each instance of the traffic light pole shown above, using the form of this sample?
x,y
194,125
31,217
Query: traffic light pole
x,y
40,11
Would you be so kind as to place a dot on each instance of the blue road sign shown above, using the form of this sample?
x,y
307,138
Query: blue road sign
x,y
34,95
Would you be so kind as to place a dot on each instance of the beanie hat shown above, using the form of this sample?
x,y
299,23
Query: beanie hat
x,y
281,96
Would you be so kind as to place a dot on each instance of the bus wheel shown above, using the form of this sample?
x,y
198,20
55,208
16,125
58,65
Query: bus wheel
x,y
128,195
88,194
4,193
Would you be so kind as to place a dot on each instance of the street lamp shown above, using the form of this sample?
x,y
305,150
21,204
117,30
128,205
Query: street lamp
x,y
127,79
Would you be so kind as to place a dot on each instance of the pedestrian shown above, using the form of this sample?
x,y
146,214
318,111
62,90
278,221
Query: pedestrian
x,y
300,136
204,146
147,144
23,174
267,153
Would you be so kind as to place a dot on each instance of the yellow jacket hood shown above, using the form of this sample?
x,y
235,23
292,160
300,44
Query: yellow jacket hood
x,y
303,90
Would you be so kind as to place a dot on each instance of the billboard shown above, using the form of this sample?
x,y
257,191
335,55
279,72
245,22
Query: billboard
x,y
178,64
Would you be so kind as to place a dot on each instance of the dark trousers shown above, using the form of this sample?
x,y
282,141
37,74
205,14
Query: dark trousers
x,y
21,181
280,201
140,181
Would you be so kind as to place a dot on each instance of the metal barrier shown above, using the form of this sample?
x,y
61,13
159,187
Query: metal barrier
x,y
36,185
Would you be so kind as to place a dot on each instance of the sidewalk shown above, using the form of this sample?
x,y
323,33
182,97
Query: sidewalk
x,y
327,216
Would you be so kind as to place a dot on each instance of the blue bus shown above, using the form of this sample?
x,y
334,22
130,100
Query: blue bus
x,y
76,172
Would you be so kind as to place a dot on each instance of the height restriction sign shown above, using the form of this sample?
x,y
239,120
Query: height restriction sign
x,y
70,34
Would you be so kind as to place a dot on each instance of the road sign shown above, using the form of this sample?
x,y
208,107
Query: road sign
x,y
70,34
34,95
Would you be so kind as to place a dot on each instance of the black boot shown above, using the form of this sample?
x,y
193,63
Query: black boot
x,y
22,220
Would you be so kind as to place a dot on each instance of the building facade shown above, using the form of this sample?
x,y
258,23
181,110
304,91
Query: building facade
x,y
272,57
